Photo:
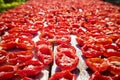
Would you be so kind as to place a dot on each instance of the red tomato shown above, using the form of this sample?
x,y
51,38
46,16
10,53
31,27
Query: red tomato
x,y
25,29
30,68
80,41
116,77
42,42
3,56
26,78
64,75
97,64
45,54
111,50
7,72
59,39
2,29
118,42
91,50
8,45
15,35
98,76
47,36
66,60
75,28
114,65
25,43
19,43
63,47
84,38
62,31
23,56
12,58
103,40
19,57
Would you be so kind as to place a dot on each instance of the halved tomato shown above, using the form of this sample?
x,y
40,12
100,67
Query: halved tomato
x,y
64,75
66,60
97,64
114,65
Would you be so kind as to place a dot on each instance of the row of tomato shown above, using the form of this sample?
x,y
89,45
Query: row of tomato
x,y
100,40
97,29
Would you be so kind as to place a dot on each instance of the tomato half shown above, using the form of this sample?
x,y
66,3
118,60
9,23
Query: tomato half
x,y
98,76
63,47
114,65
47,36
66,60
91,50
25,43
111,50
118,42
62,39
30,68
97,64
64,75
7,72
45,54
3,56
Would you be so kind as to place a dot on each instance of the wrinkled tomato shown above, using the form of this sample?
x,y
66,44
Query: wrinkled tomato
x,y
59,39
7,72
91,50
64,75
30,68
97,76
118,42
111,50
45,54
97,64
3,56
64,46
47,36
66,60
114,65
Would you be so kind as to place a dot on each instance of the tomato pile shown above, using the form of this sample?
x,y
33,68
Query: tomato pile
x,y
96,25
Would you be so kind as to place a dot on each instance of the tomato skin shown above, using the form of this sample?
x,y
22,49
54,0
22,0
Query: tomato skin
x,y
118,42
25,29
42,42
29,68
7,72
97,76
47,36
66,60
114,65
91,50
8,45
19,57
45,54
25,43
97,64
116,77
64,75
23,56
12,58
18,42
80,41
74,28
26,78
104,40
64,46
15,35
62,31
59,39
111,50
3,56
